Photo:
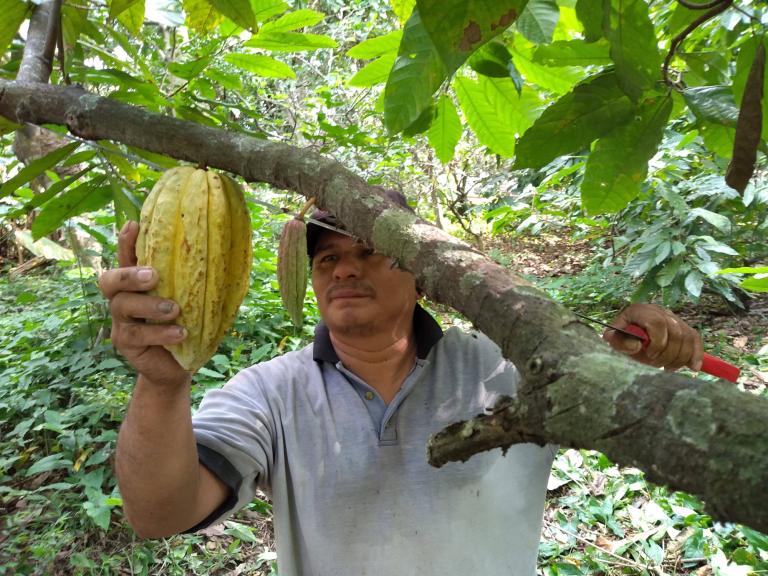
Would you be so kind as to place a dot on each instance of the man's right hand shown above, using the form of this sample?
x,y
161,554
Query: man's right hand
x,y
138,340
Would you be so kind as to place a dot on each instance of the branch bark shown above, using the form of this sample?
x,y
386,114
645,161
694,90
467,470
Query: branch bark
x,y
707,438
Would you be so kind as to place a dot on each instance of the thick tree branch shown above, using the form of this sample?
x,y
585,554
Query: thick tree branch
x,y
705,438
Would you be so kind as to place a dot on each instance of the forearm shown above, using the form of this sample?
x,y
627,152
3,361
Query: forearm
x,y
157,465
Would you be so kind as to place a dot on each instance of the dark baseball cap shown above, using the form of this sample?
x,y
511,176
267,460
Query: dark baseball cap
x,y
314,231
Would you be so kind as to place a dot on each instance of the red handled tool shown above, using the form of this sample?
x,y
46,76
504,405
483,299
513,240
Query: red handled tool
x,y
709,364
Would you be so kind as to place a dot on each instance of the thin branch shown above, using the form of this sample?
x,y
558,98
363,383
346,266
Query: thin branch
x,y
52,34
719,6
699,6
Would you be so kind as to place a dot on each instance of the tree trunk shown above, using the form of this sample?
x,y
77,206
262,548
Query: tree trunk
x,y
707,438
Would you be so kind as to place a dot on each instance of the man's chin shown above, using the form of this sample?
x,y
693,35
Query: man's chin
x,y
350,322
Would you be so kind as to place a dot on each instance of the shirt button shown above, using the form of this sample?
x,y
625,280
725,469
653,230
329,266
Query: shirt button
x,y
369,395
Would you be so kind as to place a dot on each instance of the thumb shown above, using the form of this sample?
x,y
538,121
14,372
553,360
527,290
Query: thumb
x,y
621,343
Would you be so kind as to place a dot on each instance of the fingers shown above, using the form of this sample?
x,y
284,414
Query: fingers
x,y
133,305
135,336
621,343
132,279
672,343
126,244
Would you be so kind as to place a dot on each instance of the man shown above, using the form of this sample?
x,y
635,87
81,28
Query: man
x,y
336,432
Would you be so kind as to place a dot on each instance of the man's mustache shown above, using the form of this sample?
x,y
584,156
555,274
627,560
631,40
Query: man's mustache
x,y
358,288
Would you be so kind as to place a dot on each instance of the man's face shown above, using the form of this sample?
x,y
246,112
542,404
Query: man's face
x,y
358,291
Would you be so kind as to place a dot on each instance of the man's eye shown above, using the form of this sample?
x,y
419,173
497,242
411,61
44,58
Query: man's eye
x,y
328,258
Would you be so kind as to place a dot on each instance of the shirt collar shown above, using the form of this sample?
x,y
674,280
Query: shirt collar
x,y
426,330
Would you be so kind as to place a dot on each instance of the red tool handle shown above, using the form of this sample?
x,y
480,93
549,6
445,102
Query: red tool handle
x,y
710,364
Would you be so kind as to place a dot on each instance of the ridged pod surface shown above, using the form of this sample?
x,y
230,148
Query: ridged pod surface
x,y
195,230
292,269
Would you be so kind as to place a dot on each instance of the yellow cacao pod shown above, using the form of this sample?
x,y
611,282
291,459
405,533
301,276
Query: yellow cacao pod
x,y
195,230
292,268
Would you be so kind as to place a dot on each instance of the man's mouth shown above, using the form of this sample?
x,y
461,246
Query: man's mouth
x,y
344,293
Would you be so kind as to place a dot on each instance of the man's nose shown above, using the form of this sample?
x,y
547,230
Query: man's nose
x,y
347,267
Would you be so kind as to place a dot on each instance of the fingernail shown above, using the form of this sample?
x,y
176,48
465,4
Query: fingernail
x,y
181,331
166,307
126,227
144,274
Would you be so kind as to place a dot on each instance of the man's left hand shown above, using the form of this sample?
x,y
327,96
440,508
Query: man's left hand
x,y
673,344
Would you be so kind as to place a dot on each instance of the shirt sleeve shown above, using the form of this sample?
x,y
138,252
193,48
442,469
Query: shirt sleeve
x,y
235,433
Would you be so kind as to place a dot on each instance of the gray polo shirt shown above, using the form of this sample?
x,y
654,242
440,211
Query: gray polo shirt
x,y
352,491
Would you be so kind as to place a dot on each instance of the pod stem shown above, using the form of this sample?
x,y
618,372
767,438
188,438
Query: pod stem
x,y
307,206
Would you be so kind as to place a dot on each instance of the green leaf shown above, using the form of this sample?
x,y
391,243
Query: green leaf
x,y
48,463
225,79
375,47
694,282
482,117
416,74
713,104
100,514
37,167
668,273
492,59
717,220
433,48
14,12
618,165
375,72
421,124
294,20
239,11
755,284
241,532
590,14
634,47
402,9
590,111
445,131
87,197
557,80
133,17
263,10
127,206
744,270
680,18
202,17
189,70
538,20
518,109
573,53
459,27
260,65
718,138
6,126
117,7
290,41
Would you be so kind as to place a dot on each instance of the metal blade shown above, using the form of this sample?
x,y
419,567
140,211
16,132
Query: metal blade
x,y
624,332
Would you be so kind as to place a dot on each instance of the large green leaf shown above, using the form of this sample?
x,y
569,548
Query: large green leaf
x,y
87,197
618,165
117,7
239,11
127,206
402,9
634,47
416,74
459,27
713,104
378,46
538,20
492,59
7,126
437,39
189,70
293,21
375,72
290,41
202,17
132,17
260,65
590,14
573,53
518,109
718,138
590,111
263,10
483,118
37,167
558,80
445,130
14,12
